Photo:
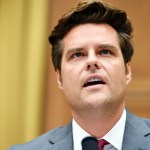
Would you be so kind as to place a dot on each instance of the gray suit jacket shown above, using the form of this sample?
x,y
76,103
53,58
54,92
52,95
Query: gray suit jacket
x,y
136,137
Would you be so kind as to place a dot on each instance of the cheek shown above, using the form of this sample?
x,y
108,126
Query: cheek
x,y
72,70
69,76
120,80
117,73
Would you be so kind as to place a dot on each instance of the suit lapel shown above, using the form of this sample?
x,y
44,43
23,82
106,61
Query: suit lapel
x,y
62,139
136,136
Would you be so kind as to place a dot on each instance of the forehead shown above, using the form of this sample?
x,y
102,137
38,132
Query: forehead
x,y
90,33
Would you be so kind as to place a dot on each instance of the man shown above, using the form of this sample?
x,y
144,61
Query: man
x,y
91,53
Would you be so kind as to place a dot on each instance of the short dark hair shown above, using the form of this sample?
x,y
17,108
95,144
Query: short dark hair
x,y
92,11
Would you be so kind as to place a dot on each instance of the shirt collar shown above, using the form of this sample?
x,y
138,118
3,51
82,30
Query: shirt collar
x,y
114,136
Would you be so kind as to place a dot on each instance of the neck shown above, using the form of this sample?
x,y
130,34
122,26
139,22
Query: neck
x,y
98,123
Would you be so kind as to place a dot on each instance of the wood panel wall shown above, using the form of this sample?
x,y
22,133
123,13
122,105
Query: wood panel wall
x,y
138,95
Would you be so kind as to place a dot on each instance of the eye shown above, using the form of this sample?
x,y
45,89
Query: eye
x,y
77,55
105,52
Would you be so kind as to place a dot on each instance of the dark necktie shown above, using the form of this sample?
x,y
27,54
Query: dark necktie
x,y
102,143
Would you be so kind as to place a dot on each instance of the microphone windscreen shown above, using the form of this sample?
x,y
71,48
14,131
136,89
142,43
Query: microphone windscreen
x,y
90,143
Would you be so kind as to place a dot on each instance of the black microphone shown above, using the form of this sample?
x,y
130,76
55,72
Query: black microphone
x,y
90,143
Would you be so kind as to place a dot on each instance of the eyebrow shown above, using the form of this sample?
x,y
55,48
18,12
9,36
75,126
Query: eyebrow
x,y
101,46
107,46
72,50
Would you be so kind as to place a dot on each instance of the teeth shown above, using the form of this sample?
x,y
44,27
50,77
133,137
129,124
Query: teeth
x,y
94,79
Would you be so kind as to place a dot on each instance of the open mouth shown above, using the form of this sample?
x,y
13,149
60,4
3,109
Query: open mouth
x,y
93,81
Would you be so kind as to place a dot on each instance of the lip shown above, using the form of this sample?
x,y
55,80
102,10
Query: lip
x,y
94,76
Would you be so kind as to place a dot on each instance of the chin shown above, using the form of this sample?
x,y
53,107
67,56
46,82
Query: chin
x,y
96,101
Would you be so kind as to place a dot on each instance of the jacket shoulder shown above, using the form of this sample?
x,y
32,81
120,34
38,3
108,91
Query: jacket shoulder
x,y
42,142
141,125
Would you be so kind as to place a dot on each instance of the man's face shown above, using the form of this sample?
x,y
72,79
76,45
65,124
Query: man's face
x,y
93,73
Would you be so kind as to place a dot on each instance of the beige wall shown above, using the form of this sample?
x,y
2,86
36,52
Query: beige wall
x,y
138,95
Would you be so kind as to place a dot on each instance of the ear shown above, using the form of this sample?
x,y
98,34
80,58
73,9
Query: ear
x,y
59,79
128,73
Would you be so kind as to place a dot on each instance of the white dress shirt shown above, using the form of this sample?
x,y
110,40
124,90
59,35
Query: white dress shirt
x,y
114,136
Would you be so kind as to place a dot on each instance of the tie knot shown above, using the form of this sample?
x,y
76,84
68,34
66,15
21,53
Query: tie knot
x,y
102,143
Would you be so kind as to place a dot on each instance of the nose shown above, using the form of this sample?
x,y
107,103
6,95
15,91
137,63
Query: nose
x,y
92,66
92,62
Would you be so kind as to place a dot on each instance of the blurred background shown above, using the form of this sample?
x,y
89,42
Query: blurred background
x,y
30,101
